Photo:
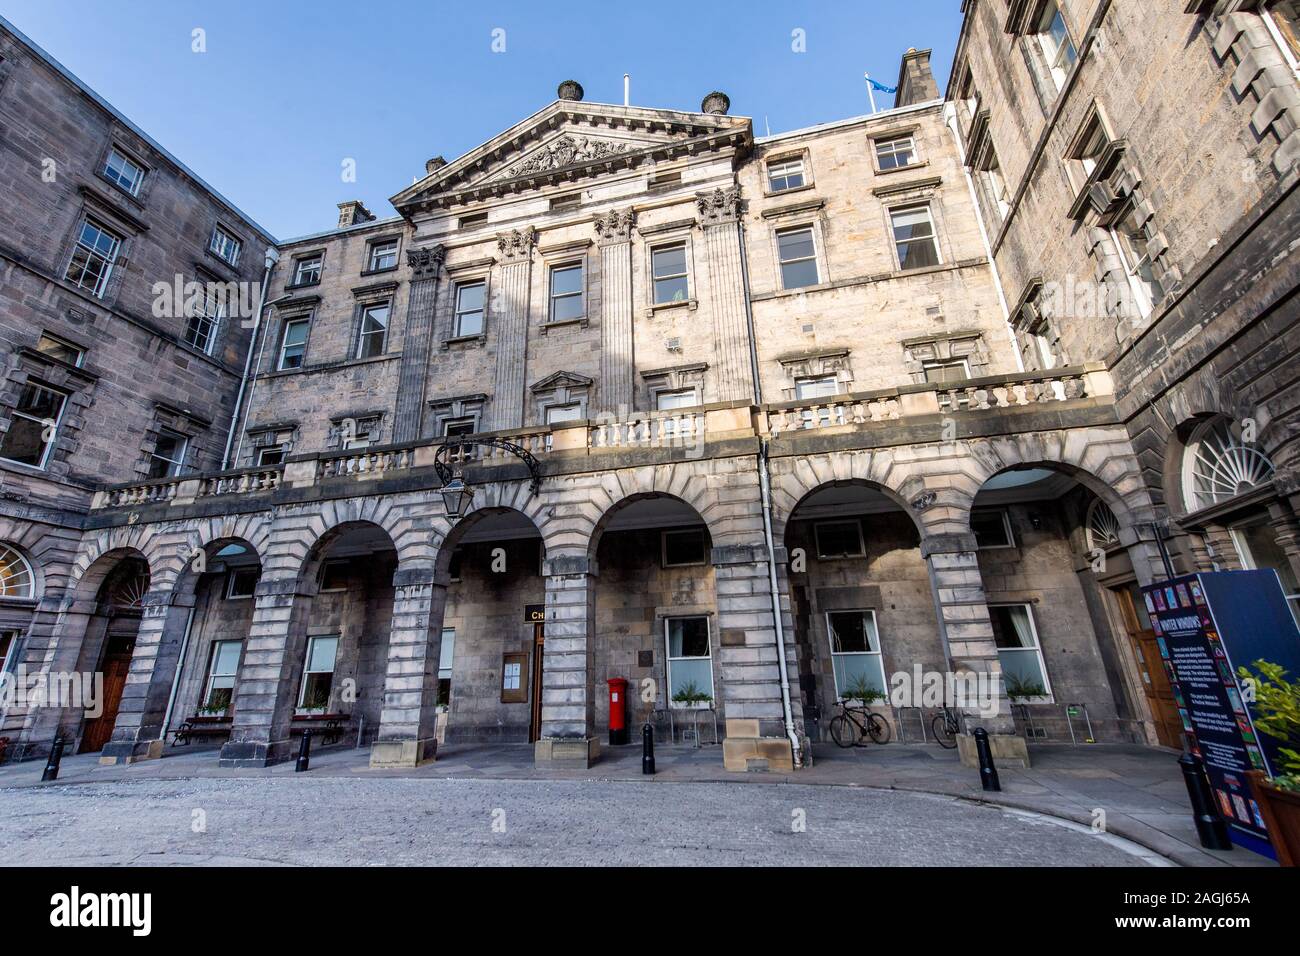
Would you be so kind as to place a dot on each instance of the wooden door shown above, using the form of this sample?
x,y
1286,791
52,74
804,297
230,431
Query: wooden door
x,y
1155,682
535,685
117,662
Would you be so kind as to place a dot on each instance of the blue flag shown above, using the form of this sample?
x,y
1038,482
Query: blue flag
x,y
881,86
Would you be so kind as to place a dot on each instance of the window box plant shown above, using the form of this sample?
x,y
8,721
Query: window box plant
x,y
690,697
1277,713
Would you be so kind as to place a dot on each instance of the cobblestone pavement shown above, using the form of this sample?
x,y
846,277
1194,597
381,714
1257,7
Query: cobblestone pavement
x,y
349,821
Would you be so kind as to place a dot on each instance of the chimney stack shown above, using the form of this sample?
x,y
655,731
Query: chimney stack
x,y
352,212
915,81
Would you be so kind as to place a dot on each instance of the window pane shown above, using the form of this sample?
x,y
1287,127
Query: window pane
x,y
989,528
670,261
853,632
23,442
682,398
469,298
696,674
854,670
566,280
1011,626
447,653
796,275
322,653
563,413
688,637
684,547
225,660
295,333
818,387
566,307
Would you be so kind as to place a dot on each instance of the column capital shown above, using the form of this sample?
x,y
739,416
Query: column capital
x,y
719,207
426,262
516,245
615,226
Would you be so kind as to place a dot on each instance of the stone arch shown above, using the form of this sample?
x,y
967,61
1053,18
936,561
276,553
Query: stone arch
x,y
49,555
493,498
484,512
299,534
794,479
598,529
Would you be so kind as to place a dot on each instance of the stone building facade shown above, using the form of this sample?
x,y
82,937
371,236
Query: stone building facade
x,y
753,423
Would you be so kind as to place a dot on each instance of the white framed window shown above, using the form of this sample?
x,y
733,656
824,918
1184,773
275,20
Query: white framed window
x,y
1134,249
446,657
566,292
1218,465
225,246
785,174
914,237
1258,549
1016,636
203,319
60,349
8,643
241,583
471,303
270,455
568,412
994,186
383,255
810,387
33,425
1058,49
16,577
93,256
293,343
839,539
1282,17
690,660
895,153
168,456
318,674
684,547
334,575
856,660
373,338
797,254
307,270
123,171
992,528
668,264
1092,145
945,370
670,399
223,669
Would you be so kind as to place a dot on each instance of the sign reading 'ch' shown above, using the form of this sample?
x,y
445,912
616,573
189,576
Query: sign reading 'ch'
x,y
534,613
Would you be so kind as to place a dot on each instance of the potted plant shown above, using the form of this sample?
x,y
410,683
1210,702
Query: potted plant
x,y
872,698
1024,689
690,696
1277,713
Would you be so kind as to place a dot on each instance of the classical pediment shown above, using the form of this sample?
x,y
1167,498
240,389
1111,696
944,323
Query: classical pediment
x,y
571,140
561,380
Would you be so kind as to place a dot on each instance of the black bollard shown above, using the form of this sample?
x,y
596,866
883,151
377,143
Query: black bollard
x,y
988,772
648,749
304,753
1209,825
52,765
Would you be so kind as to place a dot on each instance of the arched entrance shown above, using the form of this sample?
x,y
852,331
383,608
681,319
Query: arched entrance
x,y
110,639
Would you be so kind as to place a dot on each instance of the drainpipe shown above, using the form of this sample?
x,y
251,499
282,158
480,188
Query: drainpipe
x,y
765,490
272,257
180,666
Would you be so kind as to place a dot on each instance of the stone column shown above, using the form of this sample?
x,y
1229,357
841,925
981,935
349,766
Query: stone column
x,y
408,722
617,386
727,293
514,276
967,634
417,341
138,731
56,642
567,711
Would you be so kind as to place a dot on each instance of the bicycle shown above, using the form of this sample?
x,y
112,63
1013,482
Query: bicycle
x,y
853,725
946,726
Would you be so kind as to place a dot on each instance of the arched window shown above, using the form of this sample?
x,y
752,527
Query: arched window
x,y
1218,465
16,578
1102,525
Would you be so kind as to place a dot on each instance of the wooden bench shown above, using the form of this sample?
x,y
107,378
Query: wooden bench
x,y
328,728
199,726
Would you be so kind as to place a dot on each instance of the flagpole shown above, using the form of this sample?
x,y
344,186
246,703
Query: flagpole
x,y
870,94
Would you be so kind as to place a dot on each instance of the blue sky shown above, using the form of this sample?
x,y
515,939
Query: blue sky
x,y
286,91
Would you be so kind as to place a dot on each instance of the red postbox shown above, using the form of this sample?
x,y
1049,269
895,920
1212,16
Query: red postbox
x,y
617,711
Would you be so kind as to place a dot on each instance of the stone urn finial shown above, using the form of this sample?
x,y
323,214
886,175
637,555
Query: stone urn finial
x,y
569,90
433,165
716,102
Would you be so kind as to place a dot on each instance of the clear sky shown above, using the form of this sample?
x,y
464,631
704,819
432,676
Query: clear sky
x,y
287,91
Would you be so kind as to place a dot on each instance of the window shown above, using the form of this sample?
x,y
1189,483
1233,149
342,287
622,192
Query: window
x,y
225,246
93,257
1134,249
383,255
785,174
16,579
1092,146
33,426
8,639
223,668
953,370
1258,548
1283,20
855,653
204,318
1016,637
566,293
374,331
241,583
57,348
669,267
123,172
992,528
895,153
307,270
318,675
819,386
690,661
360,433
914,237
270,455
563,413
334,576
1102,527
293,343
446,655
570,201
470,302
1218,465
168,455
839,539
994,186
474,219
1054,40
670,178
453,427
798,256
671,399
685,547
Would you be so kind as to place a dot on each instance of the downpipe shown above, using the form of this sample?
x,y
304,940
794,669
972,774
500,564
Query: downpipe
x,y
272,257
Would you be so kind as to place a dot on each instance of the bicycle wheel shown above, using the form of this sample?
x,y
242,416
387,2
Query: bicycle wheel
x,y
844,731
944,732
878,728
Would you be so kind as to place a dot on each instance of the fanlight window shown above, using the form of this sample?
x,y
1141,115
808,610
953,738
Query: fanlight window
x,y
1103,526
16,579
1218,466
